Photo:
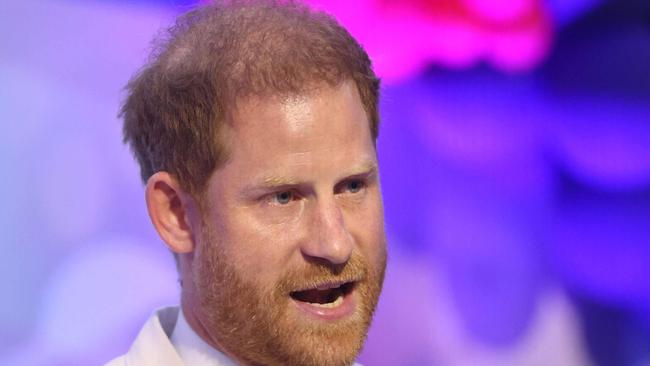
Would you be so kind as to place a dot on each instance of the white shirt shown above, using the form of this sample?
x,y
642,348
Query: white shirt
x,y
167,340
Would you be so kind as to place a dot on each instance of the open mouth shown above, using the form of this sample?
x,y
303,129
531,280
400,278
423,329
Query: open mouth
x,y
324,296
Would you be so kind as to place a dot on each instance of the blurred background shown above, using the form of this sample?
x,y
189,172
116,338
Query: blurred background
x,y
515,156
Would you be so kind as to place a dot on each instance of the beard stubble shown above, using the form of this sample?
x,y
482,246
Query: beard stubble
x,y
259,326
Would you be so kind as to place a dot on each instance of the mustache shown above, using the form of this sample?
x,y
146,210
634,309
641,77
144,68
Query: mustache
x,y
320,272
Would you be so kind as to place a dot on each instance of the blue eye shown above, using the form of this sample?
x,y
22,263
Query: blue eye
x,y
283,198
354,186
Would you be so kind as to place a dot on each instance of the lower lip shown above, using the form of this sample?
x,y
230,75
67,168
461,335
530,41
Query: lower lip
x,y
329,314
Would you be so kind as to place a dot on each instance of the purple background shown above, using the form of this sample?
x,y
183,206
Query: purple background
x,y
515,169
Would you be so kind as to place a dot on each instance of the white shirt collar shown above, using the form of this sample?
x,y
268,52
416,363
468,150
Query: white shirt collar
x,y
192,349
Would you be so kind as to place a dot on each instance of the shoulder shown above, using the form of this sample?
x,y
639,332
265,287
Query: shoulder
x,y
152,345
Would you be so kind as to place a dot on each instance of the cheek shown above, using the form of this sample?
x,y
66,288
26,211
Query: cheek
x,y
366,224
262,242
276,217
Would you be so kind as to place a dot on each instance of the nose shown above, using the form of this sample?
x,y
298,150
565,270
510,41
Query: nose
x,y
331,241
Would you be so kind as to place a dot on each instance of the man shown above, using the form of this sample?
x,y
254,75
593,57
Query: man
x,y
254,124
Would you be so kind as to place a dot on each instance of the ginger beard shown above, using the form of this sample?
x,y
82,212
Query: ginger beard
x,y
259,326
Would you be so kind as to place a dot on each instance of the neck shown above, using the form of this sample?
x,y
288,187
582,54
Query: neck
x,y
193,319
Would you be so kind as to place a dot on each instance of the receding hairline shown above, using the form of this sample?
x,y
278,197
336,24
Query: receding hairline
x,y
247,60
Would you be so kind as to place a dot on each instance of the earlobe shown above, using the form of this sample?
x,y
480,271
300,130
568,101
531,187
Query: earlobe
x,y
171,212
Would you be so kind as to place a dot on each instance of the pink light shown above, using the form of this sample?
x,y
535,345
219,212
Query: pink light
x,y
456,44
501,11
403,37
519,51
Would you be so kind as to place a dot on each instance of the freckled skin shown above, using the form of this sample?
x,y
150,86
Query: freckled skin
x,y
298,200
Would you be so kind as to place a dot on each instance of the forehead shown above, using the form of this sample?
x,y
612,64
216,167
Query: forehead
x,y
327,122
298,107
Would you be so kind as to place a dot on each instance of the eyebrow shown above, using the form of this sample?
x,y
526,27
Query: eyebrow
x,y
277,181
367,169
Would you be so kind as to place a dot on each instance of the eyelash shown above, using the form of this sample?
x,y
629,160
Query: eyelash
x,y
362,185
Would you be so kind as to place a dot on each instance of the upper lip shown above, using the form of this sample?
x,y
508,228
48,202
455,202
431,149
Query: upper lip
x,y
325,285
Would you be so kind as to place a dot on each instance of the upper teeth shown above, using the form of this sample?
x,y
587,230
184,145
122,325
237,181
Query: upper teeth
x,y
333,304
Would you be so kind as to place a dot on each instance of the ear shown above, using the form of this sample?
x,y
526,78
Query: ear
x,y
171,211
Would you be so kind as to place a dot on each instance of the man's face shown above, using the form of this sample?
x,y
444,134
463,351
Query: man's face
x,y
290,262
